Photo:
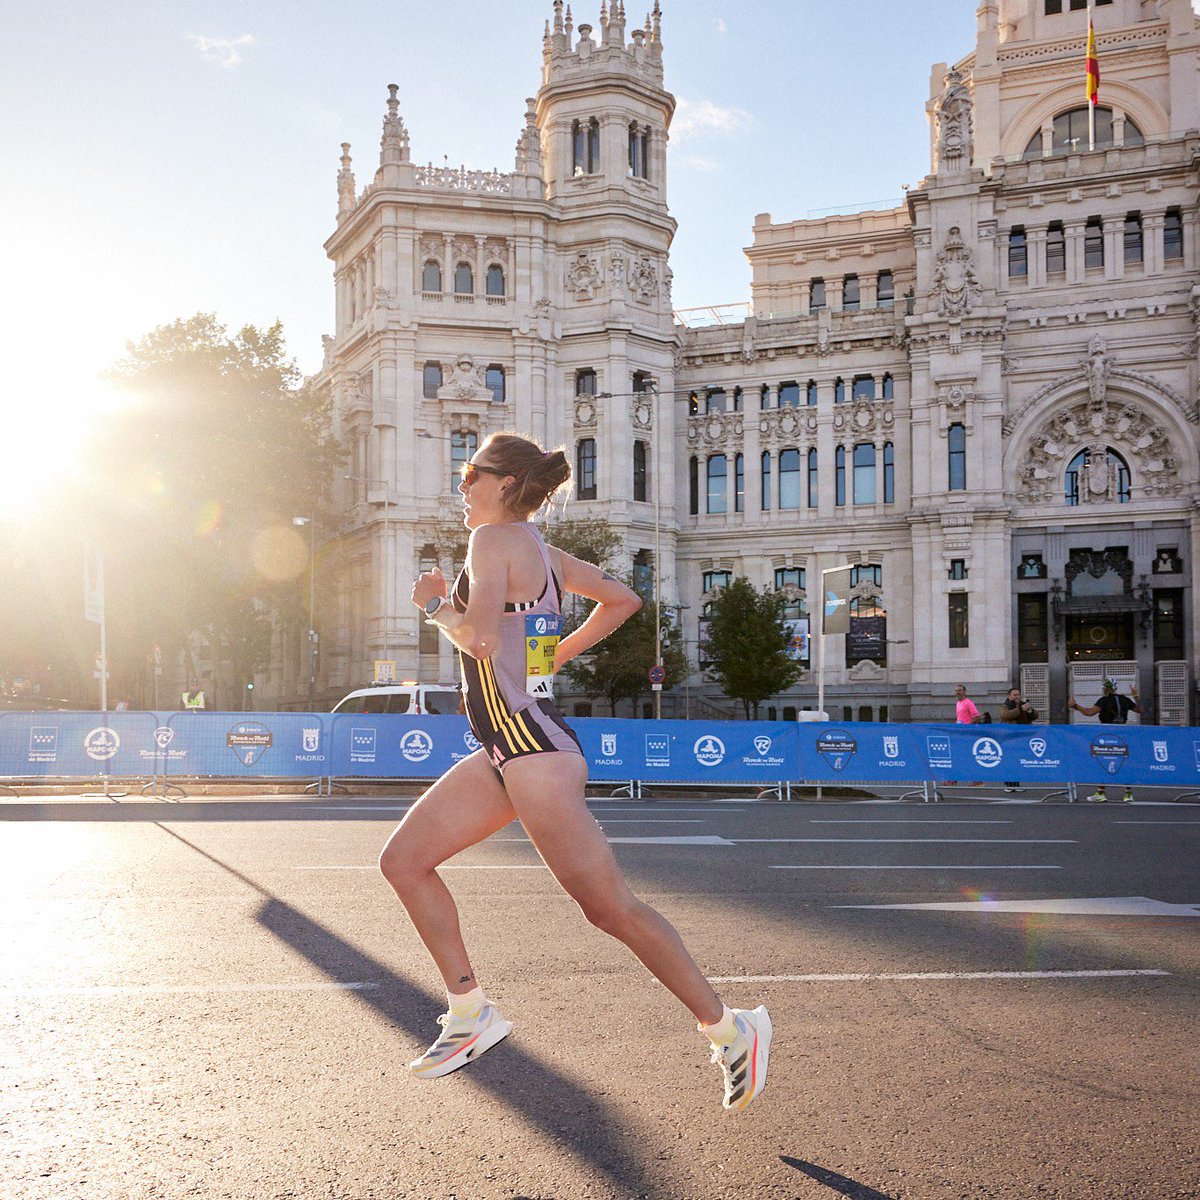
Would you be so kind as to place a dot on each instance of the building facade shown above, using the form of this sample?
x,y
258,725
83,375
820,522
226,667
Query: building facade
x,y
983,399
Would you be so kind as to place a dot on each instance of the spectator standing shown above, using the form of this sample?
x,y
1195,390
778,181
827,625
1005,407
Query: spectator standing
x,y
965,712
1016,711
1112,708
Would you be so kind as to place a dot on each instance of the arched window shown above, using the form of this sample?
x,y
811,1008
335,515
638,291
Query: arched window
x,y
863,387
693,404
810,394
789,394
1084,480
839,476
495,382
431,380
816,295
888,387
737,399
889,473
585,469
495,280
839,391
1071,133
716,401
431,277
812,477
766,481
739,483
464,280
639,151
585,147
639,471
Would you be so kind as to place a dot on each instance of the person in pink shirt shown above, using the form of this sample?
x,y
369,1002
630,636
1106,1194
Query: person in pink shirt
x,y
964,709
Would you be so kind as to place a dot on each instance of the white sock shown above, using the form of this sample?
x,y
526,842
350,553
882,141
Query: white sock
x,y
466,1004
721,1032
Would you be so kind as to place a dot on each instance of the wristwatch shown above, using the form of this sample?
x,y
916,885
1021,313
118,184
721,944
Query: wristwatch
x,y
434,606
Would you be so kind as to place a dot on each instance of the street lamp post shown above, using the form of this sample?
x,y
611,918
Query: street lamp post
x,y
652,386
387,550
311,522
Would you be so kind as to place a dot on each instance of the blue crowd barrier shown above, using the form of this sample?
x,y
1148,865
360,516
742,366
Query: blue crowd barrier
x,y
324,745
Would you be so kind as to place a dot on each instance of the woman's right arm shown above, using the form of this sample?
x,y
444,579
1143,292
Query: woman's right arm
x,y
615,604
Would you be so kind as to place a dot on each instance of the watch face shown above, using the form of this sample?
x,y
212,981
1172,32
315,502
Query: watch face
x,y
432,606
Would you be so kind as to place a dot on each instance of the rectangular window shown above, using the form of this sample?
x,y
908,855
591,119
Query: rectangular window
x,y
718,470
1031,566
816,295
1168,624
495,383
716,401
889,473
789,394
1173,234
810,394
766,482
959,621
1018,253
1033,644
850,293
693,485
463,444
1133,238
789,479
885,289
714,581
867,573
1053,7
585,382
863,388
839,476
958,568
1093,243
789,577
864,473
812,477
639,471
585,469
839,391
956,455
739,483
1056,249
431,380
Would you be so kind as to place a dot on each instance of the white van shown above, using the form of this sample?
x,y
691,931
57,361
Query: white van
x,y
415,699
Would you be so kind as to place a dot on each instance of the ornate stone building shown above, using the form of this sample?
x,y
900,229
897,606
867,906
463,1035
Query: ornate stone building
x,y
983,398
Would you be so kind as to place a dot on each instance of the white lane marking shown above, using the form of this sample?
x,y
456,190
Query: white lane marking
x,y
133,989
350,807
1196,823
1100,906
889,976
648,821
659,812
683,839
914,867
923,841
493,867
906,821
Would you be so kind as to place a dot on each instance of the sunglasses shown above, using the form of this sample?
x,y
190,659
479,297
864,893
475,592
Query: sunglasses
x,y
470,472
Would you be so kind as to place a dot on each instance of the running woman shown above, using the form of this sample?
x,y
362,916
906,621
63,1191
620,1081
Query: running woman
x,y
502,612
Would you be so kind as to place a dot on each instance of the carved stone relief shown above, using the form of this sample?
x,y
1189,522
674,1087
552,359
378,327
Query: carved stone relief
x,y
954,124
643,279
955,283
585,414
584,276
466,381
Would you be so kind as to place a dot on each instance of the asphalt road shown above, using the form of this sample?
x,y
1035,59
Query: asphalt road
x,y
219,999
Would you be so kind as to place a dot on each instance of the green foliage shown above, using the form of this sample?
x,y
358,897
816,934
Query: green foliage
x,y
589,538
747,644
616,667
191,489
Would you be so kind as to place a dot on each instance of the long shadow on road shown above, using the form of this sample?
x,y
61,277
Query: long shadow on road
x,y
831,1179
533,1091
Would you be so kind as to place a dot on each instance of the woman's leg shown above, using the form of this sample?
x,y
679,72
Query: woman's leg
x,y
547,792
465,806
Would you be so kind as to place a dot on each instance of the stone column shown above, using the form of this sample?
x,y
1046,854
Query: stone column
x,y
1073,232
752,449
447,263
1035,249
480,272
1152,242
1114,249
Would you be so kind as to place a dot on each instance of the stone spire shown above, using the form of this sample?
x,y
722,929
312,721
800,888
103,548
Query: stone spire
x,y
345,184
529,143
393,147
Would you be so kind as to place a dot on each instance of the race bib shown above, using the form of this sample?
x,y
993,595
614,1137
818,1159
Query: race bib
x,y
541,644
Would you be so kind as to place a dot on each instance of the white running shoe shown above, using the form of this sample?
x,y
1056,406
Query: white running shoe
x,y
462,1040
744,1060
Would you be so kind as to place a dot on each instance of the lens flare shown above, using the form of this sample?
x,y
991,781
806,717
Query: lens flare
x,y
208,520
280,553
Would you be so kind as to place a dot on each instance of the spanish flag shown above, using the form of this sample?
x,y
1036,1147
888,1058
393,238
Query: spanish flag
x,y
1092,65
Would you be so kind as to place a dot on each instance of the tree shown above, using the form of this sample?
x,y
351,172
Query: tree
x,y
616,667
191,490
747,644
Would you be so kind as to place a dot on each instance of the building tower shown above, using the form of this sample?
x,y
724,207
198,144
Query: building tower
x,y
472,301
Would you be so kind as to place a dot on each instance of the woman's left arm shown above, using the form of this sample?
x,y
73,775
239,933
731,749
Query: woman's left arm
x,y
477,631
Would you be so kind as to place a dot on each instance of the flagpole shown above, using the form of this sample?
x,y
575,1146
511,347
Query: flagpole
x,y
1093,92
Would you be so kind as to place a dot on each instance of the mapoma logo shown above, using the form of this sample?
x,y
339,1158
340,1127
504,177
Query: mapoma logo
x,y
102,743
986,752
709,750
416,745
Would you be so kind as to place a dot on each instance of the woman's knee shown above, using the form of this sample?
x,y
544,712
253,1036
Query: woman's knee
x,y
612,914
399,866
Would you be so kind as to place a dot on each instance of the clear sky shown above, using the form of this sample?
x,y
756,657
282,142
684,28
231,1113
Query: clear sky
x,y
163,158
